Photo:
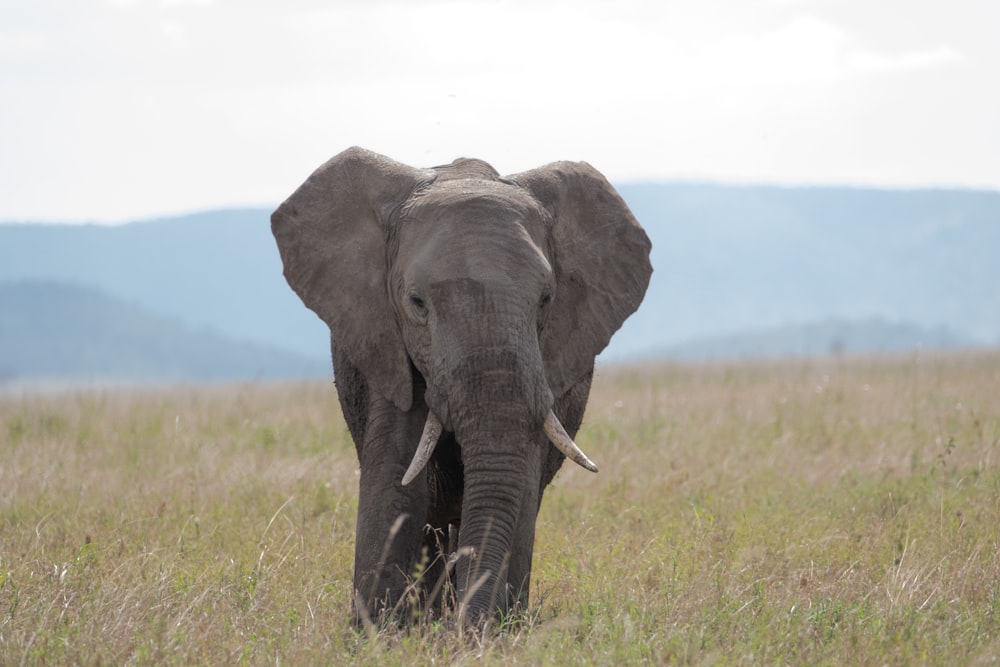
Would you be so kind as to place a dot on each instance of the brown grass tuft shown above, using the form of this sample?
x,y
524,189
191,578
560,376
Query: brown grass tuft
x,y
830,512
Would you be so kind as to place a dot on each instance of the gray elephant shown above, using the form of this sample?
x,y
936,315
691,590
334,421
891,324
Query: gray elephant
x,y
465,312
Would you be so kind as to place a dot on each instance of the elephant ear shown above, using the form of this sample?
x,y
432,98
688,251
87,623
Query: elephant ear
x,y
601,263
331,234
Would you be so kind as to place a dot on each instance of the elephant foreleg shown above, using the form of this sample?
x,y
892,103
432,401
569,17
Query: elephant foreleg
x,y
391,517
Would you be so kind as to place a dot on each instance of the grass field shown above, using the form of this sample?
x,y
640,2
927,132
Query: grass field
x,y
803,512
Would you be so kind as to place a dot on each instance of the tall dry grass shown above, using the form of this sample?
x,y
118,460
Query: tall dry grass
x,y
801,512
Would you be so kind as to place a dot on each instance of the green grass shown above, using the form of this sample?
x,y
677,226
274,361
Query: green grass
x,y
821,512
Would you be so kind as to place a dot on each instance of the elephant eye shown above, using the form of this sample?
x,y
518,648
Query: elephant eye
x,y
418,305
543,309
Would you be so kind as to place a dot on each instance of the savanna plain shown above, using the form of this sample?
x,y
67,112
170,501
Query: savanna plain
x,y
833,511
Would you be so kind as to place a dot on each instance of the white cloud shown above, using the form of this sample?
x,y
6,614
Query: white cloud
x,y
175,34
905,62
804,50
160,3
20,44
236,102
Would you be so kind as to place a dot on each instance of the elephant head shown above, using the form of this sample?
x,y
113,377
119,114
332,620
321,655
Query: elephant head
x,y
465,312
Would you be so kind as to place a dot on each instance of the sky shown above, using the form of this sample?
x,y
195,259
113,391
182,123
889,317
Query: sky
x,y
118,110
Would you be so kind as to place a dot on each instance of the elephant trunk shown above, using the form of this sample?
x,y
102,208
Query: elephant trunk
x,y
495,490
497,417
553,428
495,399
501,375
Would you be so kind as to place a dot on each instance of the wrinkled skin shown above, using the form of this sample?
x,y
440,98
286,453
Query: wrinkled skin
x,y
484,300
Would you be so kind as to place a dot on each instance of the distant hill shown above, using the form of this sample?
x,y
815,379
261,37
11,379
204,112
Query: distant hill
x,y
727,260
65,332
216,270
832,337
731,259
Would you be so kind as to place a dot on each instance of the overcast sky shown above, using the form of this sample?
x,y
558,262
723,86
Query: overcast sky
x,y
115,110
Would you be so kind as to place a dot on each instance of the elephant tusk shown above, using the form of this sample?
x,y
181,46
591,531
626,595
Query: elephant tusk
x,y
557,434
428,439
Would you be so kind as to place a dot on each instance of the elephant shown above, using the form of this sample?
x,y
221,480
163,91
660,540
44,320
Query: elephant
x,y
465,312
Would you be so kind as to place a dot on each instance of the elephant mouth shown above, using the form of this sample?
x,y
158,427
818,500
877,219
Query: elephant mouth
x,y
553,428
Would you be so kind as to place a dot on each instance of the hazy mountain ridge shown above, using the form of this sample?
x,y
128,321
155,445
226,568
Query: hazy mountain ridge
x,y
216,270
831,337
59,331
727,260
66,333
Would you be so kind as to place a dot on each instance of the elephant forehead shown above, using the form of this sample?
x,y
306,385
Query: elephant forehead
x,y
499,253
475,228
475,202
